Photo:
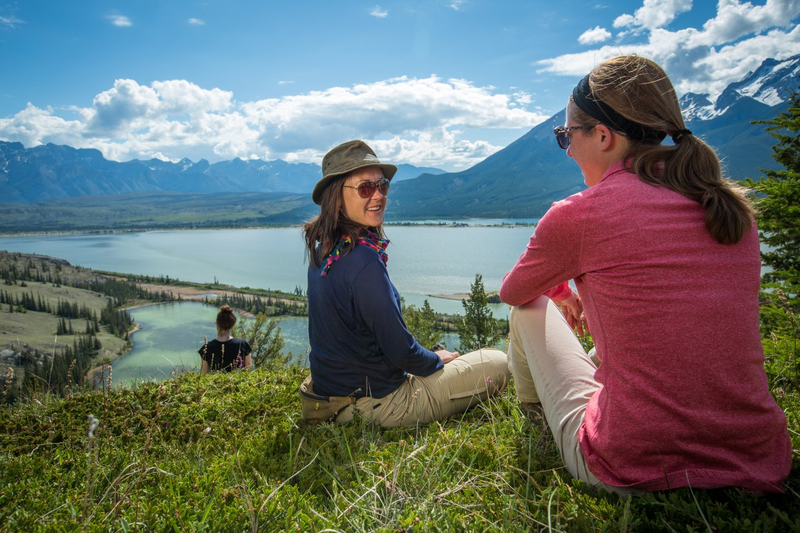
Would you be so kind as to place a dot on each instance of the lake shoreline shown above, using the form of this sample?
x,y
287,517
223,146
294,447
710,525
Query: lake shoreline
x,y
402,223
91,374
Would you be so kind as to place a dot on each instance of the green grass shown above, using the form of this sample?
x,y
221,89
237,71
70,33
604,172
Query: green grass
x,y
228,452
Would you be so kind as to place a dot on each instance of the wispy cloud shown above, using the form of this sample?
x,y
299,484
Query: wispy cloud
x,y
702,60
285,82
196,22
456,4
379,13
594,36
428,122
120,20
10,22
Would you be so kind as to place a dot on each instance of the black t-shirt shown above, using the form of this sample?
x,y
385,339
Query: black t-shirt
x,y
225,356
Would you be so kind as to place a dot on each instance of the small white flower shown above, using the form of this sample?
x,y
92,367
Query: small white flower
x,y
93,423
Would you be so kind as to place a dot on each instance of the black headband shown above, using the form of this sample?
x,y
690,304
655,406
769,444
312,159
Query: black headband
x,y
598,110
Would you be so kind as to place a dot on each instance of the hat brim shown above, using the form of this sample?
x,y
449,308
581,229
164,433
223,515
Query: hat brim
x,y
388,172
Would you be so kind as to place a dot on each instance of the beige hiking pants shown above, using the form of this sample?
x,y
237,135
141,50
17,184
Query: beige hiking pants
x,y
550,366
461,384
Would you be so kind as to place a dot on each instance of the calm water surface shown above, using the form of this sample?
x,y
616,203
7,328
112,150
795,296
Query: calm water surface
x,y
423,260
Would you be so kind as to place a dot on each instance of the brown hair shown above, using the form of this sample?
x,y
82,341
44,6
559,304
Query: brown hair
x,y
225,318
639,90
330,224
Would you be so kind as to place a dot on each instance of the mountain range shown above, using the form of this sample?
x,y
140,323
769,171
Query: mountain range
x,y
54,172
519,181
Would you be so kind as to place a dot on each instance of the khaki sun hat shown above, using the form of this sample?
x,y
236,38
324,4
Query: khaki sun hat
x,y
345,158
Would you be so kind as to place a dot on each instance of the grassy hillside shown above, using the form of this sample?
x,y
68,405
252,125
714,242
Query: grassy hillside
x,y
230,453
38,329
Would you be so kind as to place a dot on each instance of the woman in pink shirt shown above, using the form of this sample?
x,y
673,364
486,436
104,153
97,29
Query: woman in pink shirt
x,y
664,253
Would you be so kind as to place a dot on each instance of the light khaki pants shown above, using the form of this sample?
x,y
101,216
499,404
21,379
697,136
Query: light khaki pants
x,y
461,384
550,366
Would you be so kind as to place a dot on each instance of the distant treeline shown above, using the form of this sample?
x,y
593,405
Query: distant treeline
x,y
257,304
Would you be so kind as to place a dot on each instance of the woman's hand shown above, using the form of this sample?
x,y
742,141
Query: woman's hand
x,y
572,307
446,356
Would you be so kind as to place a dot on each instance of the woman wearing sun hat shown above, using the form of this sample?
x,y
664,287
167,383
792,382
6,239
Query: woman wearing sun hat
x,y
665,255
363,358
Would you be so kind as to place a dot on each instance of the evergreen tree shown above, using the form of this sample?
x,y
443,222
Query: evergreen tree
x,y
478,328
264,337
778,205
422,324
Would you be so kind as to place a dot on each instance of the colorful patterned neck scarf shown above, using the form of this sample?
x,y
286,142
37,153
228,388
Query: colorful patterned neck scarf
x,y
370,239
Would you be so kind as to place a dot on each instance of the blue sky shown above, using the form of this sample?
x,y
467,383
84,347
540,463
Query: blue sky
x,y
441,83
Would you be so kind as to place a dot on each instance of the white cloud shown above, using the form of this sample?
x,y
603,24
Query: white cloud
x,y
702,60
196,22
379,13
733,62
426,121
436,148
654,14
735,20
285,82
522,98
594,36
120,20
10,21
33,126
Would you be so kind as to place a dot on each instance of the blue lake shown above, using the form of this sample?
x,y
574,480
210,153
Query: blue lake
x,y
423,261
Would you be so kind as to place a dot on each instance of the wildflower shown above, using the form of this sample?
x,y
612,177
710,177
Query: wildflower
x,y
93,423
9,379
207,430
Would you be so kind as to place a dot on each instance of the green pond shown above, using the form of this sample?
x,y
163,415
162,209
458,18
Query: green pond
x,y
171,335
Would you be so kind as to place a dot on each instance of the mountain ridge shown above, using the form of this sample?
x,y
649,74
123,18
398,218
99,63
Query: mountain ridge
x,y
53,172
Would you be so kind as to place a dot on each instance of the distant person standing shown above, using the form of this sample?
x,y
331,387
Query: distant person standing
x,y
225,353
665,255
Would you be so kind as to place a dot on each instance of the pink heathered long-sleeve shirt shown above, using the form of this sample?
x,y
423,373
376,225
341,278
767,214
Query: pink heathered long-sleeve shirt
x,y
684,398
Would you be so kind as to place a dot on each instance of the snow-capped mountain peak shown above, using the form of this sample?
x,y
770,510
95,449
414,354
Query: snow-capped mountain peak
x,y
771,84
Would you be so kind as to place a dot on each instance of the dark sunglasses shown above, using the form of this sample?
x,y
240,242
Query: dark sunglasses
x,y
367,188
562,135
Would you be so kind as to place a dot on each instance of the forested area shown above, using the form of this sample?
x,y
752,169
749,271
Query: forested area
x,y
75,347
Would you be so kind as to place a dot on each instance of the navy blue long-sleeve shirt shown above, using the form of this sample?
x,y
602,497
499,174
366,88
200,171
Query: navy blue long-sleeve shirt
x,y
359,342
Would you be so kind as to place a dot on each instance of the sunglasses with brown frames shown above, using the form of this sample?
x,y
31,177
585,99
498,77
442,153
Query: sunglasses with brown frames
x,y
367,188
